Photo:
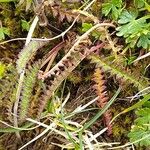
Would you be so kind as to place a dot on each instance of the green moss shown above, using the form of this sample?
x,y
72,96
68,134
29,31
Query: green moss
x,y
122,124
75,77
121,128
118,131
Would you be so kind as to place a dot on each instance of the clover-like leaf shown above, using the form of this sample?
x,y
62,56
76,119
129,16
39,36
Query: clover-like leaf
x,y
135,31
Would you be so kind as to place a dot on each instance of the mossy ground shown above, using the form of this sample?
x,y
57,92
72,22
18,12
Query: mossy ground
x,y
77,83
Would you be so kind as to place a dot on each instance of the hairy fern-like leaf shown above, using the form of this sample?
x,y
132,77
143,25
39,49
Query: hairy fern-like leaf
x,y
27,53
63,68
114,69
69,15
8,92
60,72
28,85
101,91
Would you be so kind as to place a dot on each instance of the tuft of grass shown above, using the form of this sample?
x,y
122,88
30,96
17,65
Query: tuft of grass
x,y
75,134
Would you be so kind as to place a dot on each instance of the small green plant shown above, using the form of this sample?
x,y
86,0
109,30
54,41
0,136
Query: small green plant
x,y
3,32
87,26
112,8
141,129
25,25
135,30
129,60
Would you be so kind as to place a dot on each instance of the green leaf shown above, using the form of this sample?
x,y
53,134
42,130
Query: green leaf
x,y
144,116
4,31
116,13
86,26
113,8
29,83
141,127
144,41
147,104
106,9
13,129
130,60
126,17
27,53
133,28
135,31
117,3
139,3
143,111
25,25
139,133
142,4
2,35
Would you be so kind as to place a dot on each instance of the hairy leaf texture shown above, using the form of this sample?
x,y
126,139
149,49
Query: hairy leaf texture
x,y
61,71
63,68
28,85
114,69
7,92
34,100
103,96
27,53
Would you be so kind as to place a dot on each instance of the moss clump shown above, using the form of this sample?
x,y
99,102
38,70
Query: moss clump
x,y
122,125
